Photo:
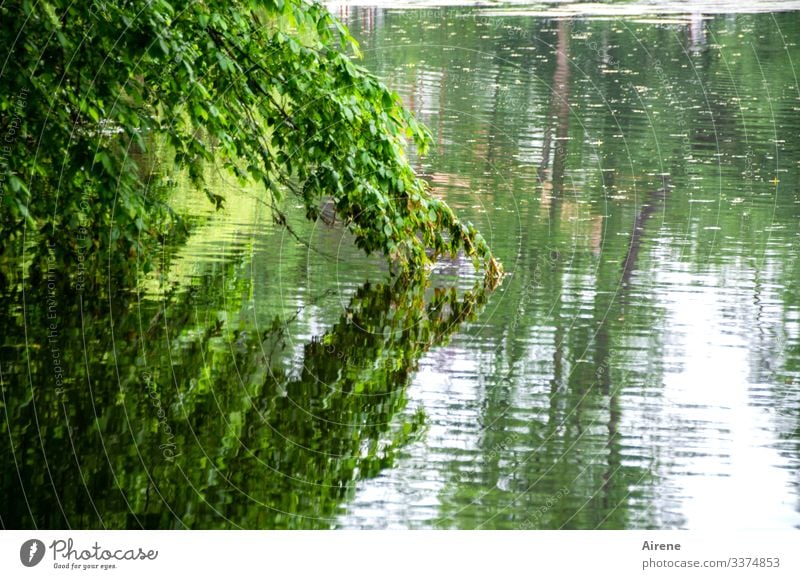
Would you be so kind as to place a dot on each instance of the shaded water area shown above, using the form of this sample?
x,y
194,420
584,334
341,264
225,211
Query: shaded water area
x,y
638,368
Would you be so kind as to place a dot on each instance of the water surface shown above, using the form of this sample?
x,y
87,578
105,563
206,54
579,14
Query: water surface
x,y
639,367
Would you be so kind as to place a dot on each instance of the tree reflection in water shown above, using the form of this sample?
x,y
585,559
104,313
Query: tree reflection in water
x,y
172,423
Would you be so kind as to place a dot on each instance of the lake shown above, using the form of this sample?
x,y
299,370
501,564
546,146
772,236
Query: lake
x,y
636,170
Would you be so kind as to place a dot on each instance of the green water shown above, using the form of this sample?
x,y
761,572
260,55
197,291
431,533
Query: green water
x,y
638,368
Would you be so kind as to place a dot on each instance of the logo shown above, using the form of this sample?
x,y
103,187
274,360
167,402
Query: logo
x,y
31,553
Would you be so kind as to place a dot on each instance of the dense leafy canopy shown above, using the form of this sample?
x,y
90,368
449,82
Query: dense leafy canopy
x,y
263,88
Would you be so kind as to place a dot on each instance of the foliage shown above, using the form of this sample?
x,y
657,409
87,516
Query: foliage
x,y
202,421
264,88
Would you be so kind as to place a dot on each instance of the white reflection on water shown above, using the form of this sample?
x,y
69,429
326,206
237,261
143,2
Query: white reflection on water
x,y
726,470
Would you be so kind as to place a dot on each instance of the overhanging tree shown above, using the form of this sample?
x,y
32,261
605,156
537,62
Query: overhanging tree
x,y
264,87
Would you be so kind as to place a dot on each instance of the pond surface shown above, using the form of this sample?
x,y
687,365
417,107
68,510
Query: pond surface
x,y
638,368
